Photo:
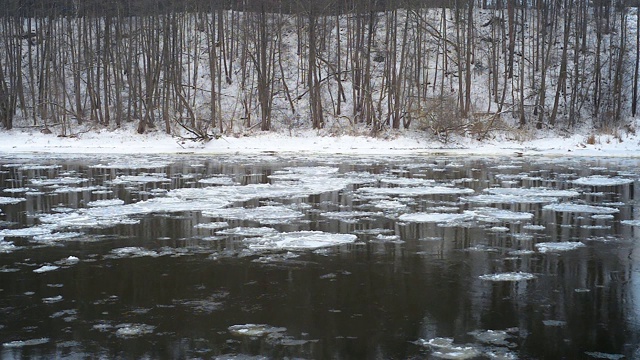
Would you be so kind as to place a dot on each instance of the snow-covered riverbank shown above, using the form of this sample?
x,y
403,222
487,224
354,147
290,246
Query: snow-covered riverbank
x,y
126,141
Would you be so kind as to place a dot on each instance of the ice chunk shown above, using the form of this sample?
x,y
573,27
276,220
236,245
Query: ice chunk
x,y
416,191
535,192
300,240
19,190
212,225
435,217
580,208
597,180
26,232
533,227
389,204
407,181
545,247
444,348
4,200
602,217
46,268
508,276
557,323
217,180
492,215
52,300
262,214
23,343
71,260
140,179
131,252
53,237
494,337
607,356
499,229
248,231
508,199
630,222
256,330
7,247
133,330
349,215
106,202
59,181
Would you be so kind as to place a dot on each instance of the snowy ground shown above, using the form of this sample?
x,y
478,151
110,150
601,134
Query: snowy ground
x,y
126,141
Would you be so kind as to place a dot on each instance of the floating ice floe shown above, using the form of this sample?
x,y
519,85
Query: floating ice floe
x,y
19,190
70,260
52,300
133,164
630,222
212,225
580,208
131,252
495,337
508,276
58,236
77,189
4,200
140,179
444,348
606,356
554,323
45,268
248,231
546,247
533,227
499,229
255,330
488,214
217,180
262,214
597,180
520,196
300,240
133,330
59,181
7,246
23,343
416,191
389,204
407,181
395,239
435,217
349,216
602,217
106,202
26,232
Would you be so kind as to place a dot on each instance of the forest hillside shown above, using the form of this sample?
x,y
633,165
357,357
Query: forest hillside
x,y
201,69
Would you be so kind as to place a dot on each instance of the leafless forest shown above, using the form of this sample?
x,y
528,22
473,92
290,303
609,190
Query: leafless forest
x,y
231,66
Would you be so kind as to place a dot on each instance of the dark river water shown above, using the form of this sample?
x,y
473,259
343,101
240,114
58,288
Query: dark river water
x,y
333,257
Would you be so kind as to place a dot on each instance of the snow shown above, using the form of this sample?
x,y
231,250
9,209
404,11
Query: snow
x,y
127,141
